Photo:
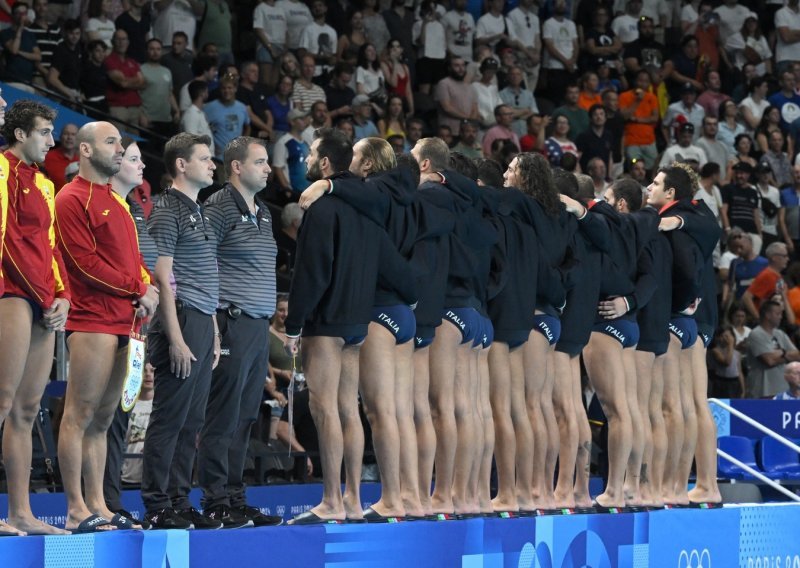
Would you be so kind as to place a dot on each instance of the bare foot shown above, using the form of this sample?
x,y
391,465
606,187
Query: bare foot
x,y
352,508
605,501
698,495
564,501
504,505
385,511
442,506
5,527
33,526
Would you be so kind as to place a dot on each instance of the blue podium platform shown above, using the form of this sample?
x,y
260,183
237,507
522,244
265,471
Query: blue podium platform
x,y
758,536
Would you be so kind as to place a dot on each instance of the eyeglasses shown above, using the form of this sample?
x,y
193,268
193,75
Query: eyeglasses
x,y
528,21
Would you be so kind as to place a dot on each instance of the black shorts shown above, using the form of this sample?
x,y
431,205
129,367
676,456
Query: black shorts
x,y
398,319
625,331
122,340
36,309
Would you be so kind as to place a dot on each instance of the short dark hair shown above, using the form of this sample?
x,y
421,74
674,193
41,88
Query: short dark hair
x,y
342,67
463,165
23,114
565,182
489,172
203,63
407,161
154,39
677,178
180,34
766,306
629,190
95,43
237,150
709,169
71,24
594,108
334,145
181,146
196,88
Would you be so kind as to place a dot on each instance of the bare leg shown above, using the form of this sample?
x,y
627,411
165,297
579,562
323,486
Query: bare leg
x,y
17,448
536,363
91,358
322,363
378,389
352,431
551,456
583,458
466,433
689,426
644,373
442,355
409,463
523,430
603,358
633,473
659,430
426,435
505,441
673,418
487,427
566,417
706,489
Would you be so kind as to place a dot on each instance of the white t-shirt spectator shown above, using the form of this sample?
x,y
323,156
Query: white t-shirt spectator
x,y
690,15
178,16
271,19
435,46
488,99
194,121
523,26
680,153
370,78
103,29
770,224
298,16
318,39
626,28
736,44
489,25
562,34
459,32
756,108
731,19
787,18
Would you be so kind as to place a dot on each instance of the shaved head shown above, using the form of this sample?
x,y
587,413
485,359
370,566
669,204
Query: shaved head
x,y
100,148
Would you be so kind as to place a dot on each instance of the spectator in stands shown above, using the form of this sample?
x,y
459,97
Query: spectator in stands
x,y
277,109
520,99
746,266
137,23
291,218
787,25
716,152
177,15
778,160
125,80
639,108
787,100
306,92
740,204
289,156
626,26
47,37
596,168
320,118
504,118
492,27
319,40
740,90
270,27
770,210
578,117
749,45
533,140
194,119
468,141
64,74
682,111
712,97
459,28
790,200
138,421
204,68
525,32
254,96
708,188
353,37
400,23
769,350
415,127
727,379
101,21
615,124
559,143
338,93
743,147
179,61
363,126
227,117
732,16
374,24
93,77
683,68
369,77
601,44
345,125
769,282
753,107
216,27
596,141
561,50
66,153
486,92
457,101
683,150
394,120
398,74
430,38
644,52
589,84
298,17
791,374
158,116
20,49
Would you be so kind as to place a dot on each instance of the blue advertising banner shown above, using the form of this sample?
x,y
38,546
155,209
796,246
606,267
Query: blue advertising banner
x,y
782,416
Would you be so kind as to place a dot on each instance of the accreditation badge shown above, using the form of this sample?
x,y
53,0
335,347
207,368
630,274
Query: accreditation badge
x,y
132,385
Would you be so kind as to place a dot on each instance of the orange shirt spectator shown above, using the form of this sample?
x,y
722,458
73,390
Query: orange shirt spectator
x,y
588,99
638,134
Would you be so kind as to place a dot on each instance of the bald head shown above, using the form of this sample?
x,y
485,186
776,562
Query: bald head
x,y
101,151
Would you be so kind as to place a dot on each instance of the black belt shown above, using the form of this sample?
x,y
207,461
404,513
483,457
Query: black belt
x,y
232,311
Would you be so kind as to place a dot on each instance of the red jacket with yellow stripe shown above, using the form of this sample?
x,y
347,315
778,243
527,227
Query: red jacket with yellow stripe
x,y
32,264
98,238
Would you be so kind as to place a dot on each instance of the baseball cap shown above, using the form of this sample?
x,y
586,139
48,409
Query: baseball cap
x,y
688,88
359,100
743,167
297,113
686,127
489,63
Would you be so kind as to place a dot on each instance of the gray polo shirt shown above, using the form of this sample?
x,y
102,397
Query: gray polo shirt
x,y
181,231
246,252
763,381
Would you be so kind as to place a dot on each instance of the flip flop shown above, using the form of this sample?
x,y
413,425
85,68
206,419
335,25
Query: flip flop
x,y
609,510
124,523
444,517
373,516
91,524
704,505
309,518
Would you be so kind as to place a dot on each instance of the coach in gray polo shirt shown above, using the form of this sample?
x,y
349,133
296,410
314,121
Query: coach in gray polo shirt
x,y
246,252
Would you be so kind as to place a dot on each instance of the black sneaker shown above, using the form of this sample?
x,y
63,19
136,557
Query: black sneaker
x,y
142,522
229,519
168,519
259,519
199,520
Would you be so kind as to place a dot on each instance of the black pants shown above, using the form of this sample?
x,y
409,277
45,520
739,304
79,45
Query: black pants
x,y
237,385
179,407
115,442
